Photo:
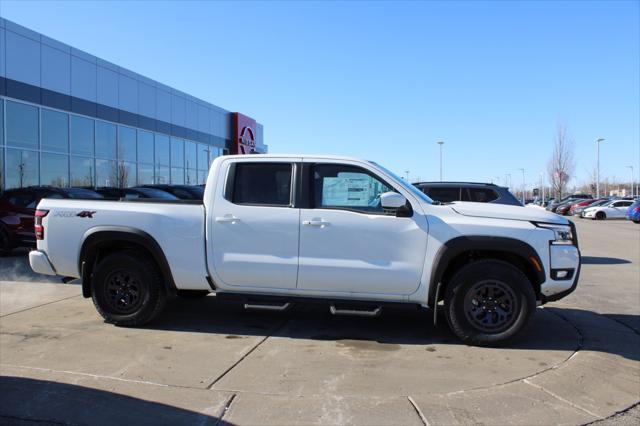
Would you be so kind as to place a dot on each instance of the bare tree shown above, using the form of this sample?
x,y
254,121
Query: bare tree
x,y
561,164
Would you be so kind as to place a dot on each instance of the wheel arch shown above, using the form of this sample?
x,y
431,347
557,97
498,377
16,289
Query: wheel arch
x,y
99,241
460,251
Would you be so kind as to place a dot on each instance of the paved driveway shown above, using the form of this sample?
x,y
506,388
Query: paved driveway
x,y
210,362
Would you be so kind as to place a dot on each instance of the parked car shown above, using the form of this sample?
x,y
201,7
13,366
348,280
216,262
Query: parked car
x,y
633,212
616,209
552,206
276,230
18,206
183,192
135,193
578,208
447,192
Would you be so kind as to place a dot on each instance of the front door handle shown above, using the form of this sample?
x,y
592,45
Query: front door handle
x,y
227,218
315,222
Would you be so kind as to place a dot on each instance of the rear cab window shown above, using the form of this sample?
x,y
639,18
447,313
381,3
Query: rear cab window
x,y
260,184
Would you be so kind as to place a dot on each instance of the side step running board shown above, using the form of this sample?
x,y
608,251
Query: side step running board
x,y
355,311
266,307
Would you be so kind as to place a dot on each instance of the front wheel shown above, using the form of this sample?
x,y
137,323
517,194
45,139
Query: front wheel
x,y
601,216
127,289
489,302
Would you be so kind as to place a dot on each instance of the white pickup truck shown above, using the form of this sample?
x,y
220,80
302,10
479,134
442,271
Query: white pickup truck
x,y
274,230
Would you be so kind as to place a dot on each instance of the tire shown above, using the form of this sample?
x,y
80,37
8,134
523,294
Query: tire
x,y
467,315
127,289
600,216
192,294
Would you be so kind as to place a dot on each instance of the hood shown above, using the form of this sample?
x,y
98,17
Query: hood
x,y
501,211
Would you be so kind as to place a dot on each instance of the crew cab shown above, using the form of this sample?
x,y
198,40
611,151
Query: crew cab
x,y
275,230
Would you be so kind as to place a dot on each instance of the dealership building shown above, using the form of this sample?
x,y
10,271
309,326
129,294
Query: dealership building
x,y
68,118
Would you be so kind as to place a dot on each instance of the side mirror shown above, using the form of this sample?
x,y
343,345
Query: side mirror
x,y
392,200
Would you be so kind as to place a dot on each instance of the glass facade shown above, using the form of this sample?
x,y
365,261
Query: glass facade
x,y
45,146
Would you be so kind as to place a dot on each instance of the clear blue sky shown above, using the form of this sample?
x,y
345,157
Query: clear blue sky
x,y
385,81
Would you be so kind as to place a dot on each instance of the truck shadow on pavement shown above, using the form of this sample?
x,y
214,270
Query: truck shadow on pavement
x,y
603,260
553,328
30,400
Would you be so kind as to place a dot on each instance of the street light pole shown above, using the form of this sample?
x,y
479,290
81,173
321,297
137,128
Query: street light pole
x,y
598,141
440,143
542,185
407,172
632,182
523,185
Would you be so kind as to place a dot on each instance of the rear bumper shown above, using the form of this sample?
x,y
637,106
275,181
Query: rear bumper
x,y
40,263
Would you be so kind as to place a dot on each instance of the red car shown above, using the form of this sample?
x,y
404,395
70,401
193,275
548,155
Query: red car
x,y
585,203
18,206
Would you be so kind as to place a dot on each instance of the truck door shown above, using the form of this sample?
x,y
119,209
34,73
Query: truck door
x,y
254,226
349,244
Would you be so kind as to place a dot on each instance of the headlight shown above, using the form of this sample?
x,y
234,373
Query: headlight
x,y
562,233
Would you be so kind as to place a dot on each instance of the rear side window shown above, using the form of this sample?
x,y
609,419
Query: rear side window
x,y
262,184
479,195
444,194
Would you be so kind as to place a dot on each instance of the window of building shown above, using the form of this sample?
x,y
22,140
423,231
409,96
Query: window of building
x,y
145,174
267,184
145,147
1,168
202,177
1,129
106,173
177,176
22,168
54,170
338,186
177,152
82,135
81,169
203,156
190,177
126,174
55,131
126,143
163,150
105,140
162,174
190,155
22,125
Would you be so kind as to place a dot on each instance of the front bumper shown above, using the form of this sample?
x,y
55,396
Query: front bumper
x,y
40,263
565,271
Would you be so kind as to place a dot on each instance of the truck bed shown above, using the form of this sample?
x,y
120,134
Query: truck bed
x,y
176,225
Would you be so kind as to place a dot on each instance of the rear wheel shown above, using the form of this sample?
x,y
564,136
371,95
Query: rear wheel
x,y
127,289
601,216
489,302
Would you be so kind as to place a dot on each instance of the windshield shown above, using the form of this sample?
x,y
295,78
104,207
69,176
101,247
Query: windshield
x,y
406,185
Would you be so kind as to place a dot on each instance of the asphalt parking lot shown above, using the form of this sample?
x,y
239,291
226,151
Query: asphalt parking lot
x,y
209,362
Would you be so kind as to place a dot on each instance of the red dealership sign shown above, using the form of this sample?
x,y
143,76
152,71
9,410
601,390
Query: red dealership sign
x,y
244,129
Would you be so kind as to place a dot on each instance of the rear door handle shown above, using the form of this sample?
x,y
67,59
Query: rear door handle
x,y
227,218
315,222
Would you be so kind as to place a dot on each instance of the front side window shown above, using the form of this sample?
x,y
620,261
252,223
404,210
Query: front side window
x,y
338,186
266,184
